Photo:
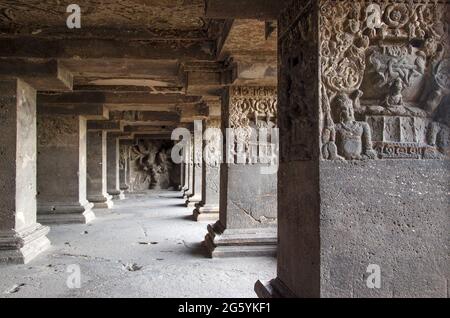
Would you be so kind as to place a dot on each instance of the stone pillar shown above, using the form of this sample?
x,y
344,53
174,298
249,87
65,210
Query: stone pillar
x,y
128,179
21,238
208,209
196,196
113,155
96,170
61,170
182,174
363,179
124,164
190,171
248,194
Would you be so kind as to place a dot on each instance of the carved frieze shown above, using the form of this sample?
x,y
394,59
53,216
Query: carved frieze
x,y
251,108
384,69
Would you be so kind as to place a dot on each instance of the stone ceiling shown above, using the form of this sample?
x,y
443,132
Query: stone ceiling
x,y
35,16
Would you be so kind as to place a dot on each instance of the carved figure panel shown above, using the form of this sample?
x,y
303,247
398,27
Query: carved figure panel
x,y
384,79
151,165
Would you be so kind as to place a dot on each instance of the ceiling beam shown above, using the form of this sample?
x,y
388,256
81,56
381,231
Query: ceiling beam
x,y
114,98
41,74
244,9
77,48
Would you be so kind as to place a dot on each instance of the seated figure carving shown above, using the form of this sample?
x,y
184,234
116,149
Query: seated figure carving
x,y
353,138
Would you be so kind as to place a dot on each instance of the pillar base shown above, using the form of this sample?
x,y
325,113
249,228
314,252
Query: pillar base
x,y
21,247
221,242
192,202
206,213
117,195
65,213
101,201
273,289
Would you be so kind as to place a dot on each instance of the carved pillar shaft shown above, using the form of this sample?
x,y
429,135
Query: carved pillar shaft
x,y
208,209
196,196
61,170
96,170
112,170
248,195
355,80
21,238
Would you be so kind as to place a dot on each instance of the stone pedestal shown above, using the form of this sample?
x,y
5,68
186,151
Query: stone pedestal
x,y
357,202
248,197
61,170
196,196
112,166
21,238
96,170
208,208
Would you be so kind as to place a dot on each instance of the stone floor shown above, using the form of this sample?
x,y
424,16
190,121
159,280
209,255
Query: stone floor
x,y
152,230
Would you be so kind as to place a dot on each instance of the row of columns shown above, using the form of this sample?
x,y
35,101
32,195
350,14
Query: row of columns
x,y
54,171
237,195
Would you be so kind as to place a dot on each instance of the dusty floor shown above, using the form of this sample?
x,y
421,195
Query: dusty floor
x,y
154,231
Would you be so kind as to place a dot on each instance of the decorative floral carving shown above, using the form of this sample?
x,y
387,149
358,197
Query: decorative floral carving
x,y
396,15
247,106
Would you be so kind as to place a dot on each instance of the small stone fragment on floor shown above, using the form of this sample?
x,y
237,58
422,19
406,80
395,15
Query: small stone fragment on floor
x,y
14,289
132,267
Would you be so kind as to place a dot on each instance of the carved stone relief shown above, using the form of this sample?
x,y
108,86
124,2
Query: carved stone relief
x,y
151,165
298,78
51,130
251,108
212,149
384,79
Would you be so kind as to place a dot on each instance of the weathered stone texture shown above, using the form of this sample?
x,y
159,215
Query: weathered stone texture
x,y
21,238
61,172
96,170
401,225
371,186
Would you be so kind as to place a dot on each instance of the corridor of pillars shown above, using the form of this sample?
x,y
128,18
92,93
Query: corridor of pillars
x,y
297,143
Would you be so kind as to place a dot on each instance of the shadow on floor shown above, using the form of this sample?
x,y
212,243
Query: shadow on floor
x,y
196,249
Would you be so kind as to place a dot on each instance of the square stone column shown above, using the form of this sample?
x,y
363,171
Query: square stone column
x,y
248,195
196,196
96,170
124,164
21,237
363,182
208,208
113,156
190,171
61,170
182,174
